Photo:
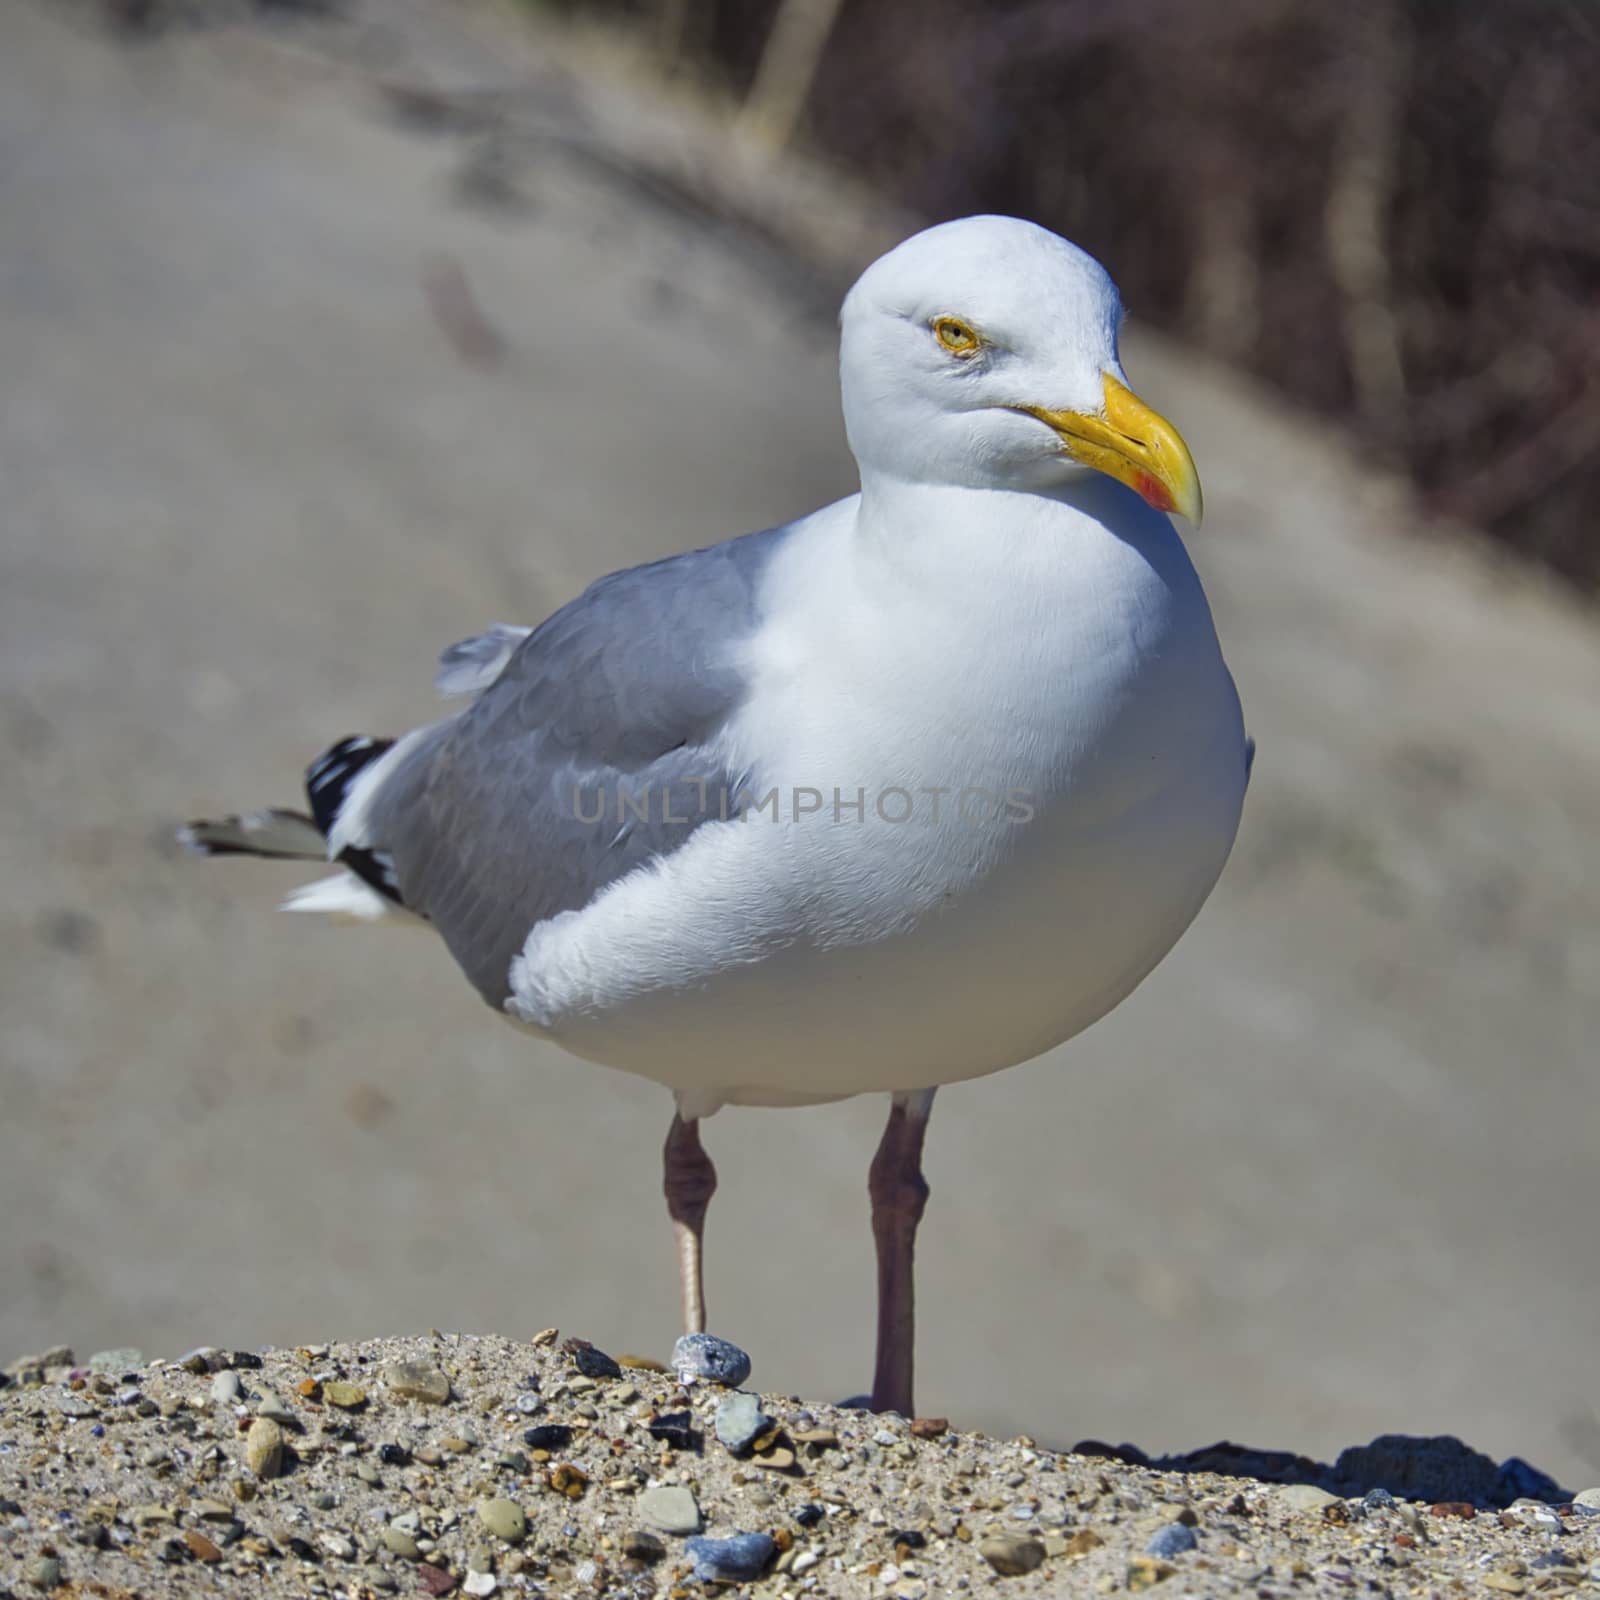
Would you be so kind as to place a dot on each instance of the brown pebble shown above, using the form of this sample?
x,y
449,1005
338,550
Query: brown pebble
x,y
1083,1541
779,1459
641,1363
568,1480
1405,1541
546,1336
1454,1508
1145,1572
308,1389
929,1427
201,1547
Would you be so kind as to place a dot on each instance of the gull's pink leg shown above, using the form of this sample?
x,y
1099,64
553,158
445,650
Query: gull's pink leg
x,y
899,1192
690,1182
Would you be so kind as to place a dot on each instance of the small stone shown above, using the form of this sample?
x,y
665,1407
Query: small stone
x,y
393,1455
263,1448
338,1546
126,1359
642,1546
201,1547
929,1427
1463,1509
212,1510
740,1420
399,1543
323,1500
704,1356
779,1459
675,1429
435,1580
417,1380
369,1474
817,1439
226,1389
545,1337
1587,1500
143,1516
736,1559
548,1436
346,1396
504,1519
456,1445
274,1407
669,1508
594,1363
1145,1572
808,1516
45,1573
1010,1555
568,1480
1173,1540
1305,1497
640,1363
804,1562
480,1583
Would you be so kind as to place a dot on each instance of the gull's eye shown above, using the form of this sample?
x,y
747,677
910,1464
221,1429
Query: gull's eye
x,y
958,337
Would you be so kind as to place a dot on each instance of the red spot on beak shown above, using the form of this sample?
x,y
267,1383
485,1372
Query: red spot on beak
x,y
1154,492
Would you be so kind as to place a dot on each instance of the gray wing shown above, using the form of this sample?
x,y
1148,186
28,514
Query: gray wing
x,y
586,758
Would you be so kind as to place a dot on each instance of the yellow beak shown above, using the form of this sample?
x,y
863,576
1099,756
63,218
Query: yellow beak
x,y
1131,443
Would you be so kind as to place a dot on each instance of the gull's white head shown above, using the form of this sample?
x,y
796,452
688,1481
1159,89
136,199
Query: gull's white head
x,y
984,353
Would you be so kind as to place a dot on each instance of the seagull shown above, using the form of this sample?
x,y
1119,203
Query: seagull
x,y
901,793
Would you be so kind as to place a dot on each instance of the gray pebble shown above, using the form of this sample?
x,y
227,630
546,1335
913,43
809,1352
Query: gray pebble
x,y
740,1420
1173,1540
338,1546
226,1389
323,1500
45,1573
417,1380
399,1543
503,1518
126,1359
703,1355
737,1559
1305,1497
669,1508
1011,1555
1587,1500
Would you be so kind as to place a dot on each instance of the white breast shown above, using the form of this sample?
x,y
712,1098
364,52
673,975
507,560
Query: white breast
x,y
1007,766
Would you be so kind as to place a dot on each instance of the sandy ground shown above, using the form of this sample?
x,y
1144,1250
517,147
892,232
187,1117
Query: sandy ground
x,y
1329,1174
475,1466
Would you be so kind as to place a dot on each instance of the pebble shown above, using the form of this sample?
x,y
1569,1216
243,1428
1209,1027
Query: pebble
x,y
479,1583
670,1508
675,1428
202,1548
704,1356
274,1407
740,1420
594,1363
45,1573
804,1562
346,1396
400,1543
779,1459
504,1519
338,1546
263,1448
548,1436
1587,1500
1305,1497
737,1559
1172,1540
226,1389
1010,1555
126,1359
416,1380
643,1546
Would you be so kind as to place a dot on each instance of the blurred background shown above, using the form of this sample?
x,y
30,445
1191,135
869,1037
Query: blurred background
x,y
331,332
